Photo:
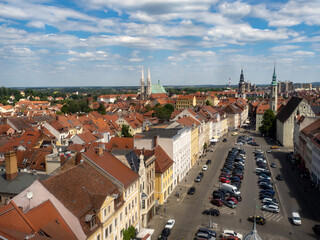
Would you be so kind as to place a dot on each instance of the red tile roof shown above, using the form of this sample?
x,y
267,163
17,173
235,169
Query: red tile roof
x,y
163,161
113,166
120,143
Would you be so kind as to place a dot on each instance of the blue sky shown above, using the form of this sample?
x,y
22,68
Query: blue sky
x,y
105,42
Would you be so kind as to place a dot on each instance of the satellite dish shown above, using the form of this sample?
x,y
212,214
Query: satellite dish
x,y
29,195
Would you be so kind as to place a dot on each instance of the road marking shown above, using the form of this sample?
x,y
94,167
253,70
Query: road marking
x,y
272,216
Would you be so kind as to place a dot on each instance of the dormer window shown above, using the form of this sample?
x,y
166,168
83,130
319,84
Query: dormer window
x,y
91,220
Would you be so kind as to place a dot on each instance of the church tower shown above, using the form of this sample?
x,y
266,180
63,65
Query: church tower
x,y
241,86
142,90
148,92
274,96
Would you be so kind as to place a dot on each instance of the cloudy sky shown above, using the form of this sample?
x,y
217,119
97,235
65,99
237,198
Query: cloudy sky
x,y
105,42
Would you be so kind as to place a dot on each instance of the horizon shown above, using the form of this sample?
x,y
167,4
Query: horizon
x,y
49,43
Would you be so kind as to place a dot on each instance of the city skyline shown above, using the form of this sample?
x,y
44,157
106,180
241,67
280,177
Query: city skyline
x,y
184,42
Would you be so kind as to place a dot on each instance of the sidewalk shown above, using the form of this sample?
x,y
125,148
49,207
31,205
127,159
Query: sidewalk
x,y
167,210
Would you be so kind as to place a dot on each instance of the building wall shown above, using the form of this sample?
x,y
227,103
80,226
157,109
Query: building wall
x,y
194,144
315,164
164,185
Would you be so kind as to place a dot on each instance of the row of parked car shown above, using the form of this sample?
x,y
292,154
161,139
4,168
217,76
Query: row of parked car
x,y
265,184
246,139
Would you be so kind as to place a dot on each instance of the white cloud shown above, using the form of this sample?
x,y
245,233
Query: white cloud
x,y
136,59
36,24
234,9
284,48
303,53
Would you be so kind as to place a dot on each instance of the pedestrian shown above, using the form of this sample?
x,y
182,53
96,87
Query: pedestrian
x,y
164,210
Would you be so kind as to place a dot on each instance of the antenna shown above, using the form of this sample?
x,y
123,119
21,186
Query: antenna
x,y
230,82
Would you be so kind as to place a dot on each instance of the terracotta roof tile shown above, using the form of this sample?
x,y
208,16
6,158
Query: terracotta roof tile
x,y
163,161
120,143
113,166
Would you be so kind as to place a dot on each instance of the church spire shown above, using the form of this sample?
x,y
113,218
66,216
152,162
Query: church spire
x,y
274,77
142,81
148,83
241,76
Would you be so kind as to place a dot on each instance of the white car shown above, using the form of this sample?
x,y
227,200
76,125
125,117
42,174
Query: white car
x,y
267,178
227,233
296,218
267,201
270,208
205,168
170,224
269,151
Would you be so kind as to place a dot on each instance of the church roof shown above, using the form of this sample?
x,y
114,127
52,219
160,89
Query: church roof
x,y
157,88
290,107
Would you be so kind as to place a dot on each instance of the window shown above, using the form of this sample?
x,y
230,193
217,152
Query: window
x,y
129,206
106,233
129,222
109,209
126,211
110,228
115,238
120,216
132,203
132,219
135,200
98,237
143,204
105,212
115,222
136,216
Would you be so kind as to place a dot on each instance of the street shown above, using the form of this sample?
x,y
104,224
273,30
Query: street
x,y
187,209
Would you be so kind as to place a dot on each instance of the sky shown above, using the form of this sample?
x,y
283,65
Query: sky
x,y
183,42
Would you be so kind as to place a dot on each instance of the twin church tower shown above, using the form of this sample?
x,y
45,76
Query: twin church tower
x,y
145,91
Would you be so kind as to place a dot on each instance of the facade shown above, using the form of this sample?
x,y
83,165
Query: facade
x,y
164,175
185,101
286,117
315,161
175,142
285,87
149,90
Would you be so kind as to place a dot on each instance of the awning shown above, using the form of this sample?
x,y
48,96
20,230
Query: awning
x,y
217,137
214,140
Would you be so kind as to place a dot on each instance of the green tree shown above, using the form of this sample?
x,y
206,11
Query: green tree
x,y
169,107
208,103
268,126
125,131
101,109
130,233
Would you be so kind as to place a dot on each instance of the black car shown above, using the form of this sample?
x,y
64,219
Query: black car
x,y
279,177
200,174
224,140
211,211
316,229
259,220
208,162
164,234
191,190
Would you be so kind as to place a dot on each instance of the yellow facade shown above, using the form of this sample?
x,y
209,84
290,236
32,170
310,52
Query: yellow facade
x,y
115,218
194,144
186,102
224,126
164,185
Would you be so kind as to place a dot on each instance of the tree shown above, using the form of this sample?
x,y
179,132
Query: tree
x,y
130,233
208,103
268,127
101,109
125,131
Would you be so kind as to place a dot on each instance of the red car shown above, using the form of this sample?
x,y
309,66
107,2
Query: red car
x,y
224,180
225,175
232,199
216,202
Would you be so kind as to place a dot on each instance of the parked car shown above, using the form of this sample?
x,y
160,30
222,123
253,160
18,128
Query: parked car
x,y
230,204
233,199
316,229
208,162
205,168
202,236
224,180
170,223
279,177
273,165
270,208
217,202
164,234
191,190
296,218
274,147
224,140
211,211
201,174
259,220
197,179
207,231
267,201
227,233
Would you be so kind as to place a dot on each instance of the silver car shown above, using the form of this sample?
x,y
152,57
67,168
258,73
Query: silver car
x,y
270,208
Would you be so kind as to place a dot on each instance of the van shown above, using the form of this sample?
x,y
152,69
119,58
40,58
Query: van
x,y
230,188
296,218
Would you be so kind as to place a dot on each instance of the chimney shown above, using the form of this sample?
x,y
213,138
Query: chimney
x,y
99,151
155,141
78,158
11,165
